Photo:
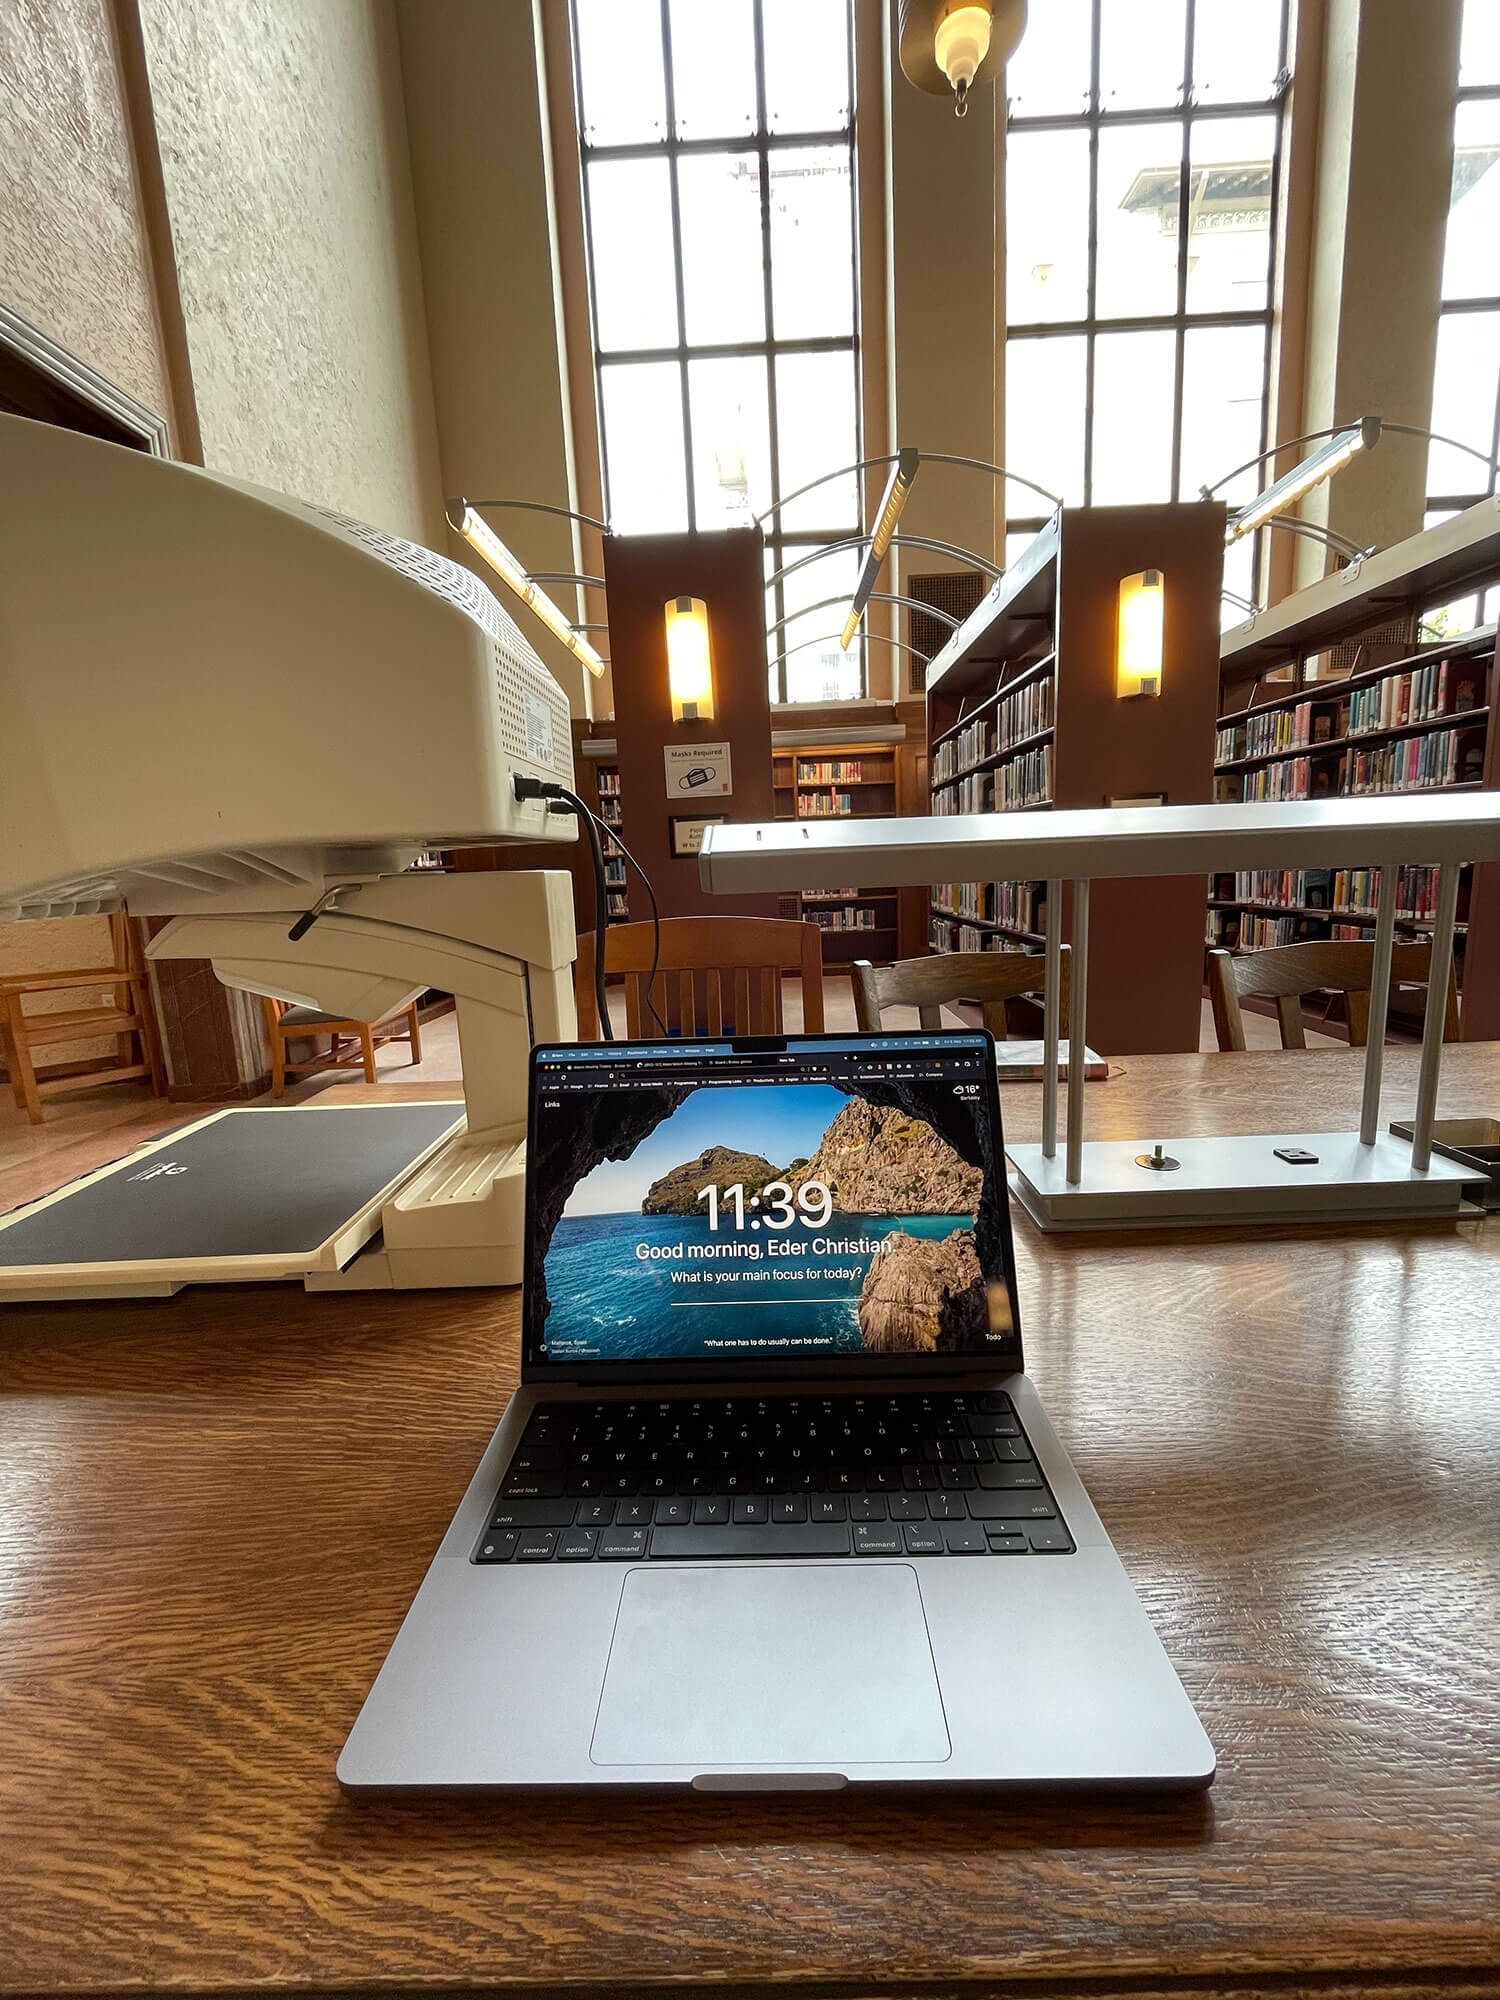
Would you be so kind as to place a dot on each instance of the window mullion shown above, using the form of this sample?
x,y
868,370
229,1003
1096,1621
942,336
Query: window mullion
x,y
688,466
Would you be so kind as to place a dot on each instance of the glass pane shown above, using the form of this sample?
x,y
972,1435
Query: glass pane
x,y
723,270
817,431
1464,386
630,229
1479,46
807,65
1239,582
644,460
1142,46
812,242
808,616
1140,183
731,441
1229,221
1236,50
1049,72
1017,543
824,673
1046,226
1471,255
713,68
1044,413
1134,381
623,95
1223,383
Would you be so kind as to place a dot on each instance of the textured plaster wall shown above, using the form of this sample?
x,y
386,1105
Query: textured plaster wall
x,y
283,146
73,252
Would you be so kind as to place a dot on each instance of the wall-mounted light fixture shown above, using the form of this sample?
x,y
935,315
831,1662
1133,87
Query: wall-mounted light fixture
x,y
482,538
690,664
950,45
902,478
1319,465
1138,634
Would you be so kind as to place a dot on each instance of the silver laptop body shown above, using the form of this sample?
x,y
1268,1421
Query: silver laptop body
x,y
775,1506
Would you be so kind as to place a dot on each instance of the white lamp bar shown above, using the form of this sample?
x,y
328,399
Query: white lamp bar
x,y
1319,465
1203,1180
482,538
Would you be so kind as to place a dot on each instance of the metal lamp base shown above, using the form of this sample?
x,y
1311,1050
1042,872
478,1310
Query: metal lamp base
x,y
1237,1181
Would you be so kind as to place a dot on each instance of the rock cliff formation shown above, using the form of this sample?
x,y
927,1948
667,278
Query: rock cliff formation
x,y
923,1296
879,1160
676,1193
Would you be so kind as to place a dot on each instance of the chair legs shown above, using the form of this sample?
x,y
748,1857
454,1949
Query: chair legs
x,y
367,1046
414,1033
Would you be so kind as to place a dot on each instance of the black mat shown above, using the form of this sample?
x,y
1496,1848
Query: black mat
x,y
251,1184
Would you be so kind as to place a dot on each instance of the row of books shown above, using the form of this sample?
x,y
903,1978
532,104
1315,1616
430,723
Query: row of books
x,y
971,746
1022,905
614,872
842,920
1024,713
609,784
824,805
1349,891
1410,764
1262,735
1413,763
616,904
943,935
974,794
1018,717
1447,687
1234,929
830,771
610,811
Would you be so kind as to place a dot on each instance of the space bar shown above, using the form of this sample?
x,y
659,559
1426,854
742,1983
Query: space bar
x,y
789,1538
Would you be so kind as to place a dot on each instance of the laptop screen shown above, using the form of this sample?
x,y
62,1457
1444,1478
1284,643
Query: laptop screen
x,y
814,1199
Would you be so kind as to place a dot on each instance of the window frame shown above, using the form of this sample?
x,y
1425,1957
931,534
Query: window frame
x,y
762,144
1094,119
1438,503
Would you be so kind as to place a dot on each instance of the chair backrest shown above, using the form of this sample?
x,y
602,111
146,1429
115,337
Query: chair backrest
x,y
929,984
1285,972
716,976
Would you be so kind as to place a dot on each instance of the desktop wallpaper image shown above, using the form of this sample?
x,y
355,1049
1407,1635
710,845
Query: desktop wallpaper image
x,y
842,1221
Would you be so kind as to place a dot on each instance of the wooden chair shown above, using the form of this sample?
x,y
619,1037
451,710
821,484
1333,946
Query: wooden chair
x,y
929,984
1284,973
717,976
127,1016
287,1023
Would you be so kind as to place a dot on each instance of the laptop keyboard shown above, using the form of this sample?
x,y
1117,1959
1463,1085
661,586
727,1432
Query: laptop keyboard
x,y
773,1476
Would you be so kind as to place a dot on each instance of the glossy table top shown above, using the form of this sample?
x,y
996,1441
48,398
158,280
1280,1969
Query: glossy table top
x,y
214,1511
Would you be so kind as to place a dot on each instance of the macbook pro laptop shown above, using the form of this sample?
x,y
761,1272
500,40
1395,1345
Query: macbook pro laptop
x,y
775,1506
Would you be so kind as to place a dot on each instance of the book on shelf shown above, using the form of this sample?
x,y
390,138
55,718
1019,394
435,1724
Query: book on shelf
x,y
609,784
1020,905
1343,891
856,919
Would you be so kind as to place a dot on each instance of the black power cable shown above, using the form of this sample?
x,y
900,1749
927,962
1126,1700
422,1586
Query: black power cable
x,y
569,802
655,923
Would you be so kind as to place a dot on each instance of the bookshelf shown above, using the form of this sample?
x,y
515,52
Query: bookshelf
x,y
1022,715
842,780
611,810
1395,714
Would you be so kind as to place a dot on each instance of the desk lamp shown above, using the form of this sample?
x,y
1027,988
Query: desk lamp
x,y
1153,1179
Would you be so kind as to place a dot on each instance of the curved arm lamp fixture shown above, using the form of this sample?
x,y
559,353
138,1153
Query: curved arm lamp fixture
x,y
947,46
924,458
879,637
899,541
482,538
876,597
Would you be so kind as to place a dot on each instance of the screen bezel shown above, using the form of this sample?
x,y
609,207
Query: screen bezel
x,y
843,1368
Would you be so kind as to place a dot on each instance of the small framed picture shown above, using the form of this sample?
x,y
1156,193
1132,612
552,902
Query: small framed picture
x,y
687,834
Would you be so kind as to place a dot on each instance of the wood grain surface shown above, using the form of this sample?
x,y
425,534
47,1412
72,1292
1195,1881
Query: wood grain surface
x,y
215,1510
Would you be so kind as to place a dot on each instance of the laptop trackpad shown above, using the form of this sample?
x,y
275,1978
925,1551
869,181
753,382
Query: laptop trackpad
x,y
826,1666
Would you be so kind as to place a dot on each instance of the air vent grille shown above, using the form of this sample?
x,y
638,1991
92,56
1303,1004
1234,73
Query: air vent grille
x,y
957,592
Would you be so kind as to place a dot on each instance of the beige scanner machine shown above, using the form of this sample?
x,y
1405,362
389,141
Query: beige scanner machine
x,y
231,708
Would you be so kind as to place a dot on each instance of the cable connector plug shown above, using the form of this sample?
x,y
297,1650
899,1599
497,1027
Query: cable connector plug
x,y
535,788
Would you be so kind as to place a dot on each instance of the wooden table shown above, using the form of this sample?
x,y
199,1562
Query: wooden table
x,y
214,1512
